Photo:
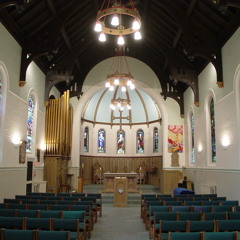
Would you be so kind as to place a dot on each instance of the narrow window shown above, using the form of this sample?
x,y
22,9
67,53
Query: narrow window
x,y
155,140
101,141
213,137
192,138
121,142
86,137
140,141
30,124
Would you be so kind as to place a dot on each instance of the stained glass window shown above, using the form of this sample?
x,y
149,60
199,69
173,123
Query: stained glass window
x,y
155,140
140,141
86,140
192,136
30,124
213,137
101,141
121,142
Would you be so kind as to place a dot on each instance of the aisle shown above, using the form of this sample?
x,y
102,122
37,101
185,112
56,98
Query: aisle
x,y
120,224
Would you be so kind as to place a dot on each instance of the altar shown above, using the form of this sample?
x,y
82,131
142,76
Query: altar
x,y
131,181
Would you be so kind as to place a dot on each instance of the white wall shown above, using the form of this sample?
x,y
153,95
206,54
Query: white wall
x,y
15,116
225,173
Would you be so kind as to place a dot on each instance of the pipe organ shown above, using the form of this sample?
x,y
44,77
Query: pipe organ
x,y
58,137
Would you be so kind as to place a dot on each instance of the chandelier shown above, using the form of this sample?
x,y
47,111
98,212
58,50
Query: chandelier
x,y
118,20
119,80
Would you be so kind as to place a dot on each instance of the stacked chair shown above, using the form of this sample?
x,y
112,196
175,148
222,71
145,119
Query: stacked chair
x,y
36,216
195,217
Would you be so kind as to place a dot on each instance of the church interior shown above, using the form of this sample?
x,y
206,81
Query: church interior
x,y
122,98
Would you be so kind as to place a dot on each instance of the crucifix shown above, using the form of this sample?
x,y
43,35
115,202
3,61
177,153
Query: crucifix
x,y
121,118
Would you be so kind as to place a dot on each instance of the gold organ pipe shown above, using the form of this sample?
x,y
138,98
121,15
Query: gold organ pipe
x,y
47,129
67,121
50,125
58,126
54,127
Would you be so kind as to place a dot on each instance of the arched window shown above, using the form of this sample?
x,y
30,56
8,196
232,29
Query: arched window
x,y
86,138
31,107
155,140
192,138
101,141
121,141
140,141
213,137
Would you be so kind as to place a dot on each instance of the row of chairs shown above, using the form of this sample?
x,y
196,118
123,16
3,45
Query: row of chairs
x,y
196,226
203,236
10,234
75,226
75,214
149,210
12,203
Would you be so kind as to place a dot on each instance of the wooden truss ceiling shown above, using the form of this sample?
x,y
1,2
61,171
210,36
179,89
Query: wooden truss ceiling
x,y
179,39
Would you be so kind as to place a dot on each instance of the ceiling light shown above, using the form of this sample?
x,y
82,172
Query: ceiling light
x,y
118,20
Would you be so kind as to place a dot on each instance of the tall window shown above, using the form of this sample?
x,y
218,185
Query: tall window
x,y
121,142
30,124
155,140
213,137
140,141
192,138
101,141
86,137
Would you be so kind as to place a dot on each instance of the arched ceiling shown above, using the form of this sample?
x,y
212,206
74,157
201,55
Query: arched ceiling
x,y
179,39
143,108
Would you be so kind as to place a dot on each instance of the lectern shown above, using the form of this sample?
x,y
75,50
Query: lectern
x,y
120,192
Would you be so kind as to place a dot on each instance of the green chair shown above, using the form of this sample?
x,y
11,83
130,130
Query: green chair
x,y
191,203
181,209
27,213
71,225
59,207
38,206
38,223
12,222
53,235
228,225
10,234
50,214
231,215
226,208
193,216
202,226
215,216
202,208
16,206
173,203
185,236
220,235
7,212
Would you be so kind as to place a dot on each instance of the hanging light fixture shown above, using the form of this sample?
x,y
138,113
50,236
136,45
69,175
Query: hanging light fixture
x,y
121,80
118,20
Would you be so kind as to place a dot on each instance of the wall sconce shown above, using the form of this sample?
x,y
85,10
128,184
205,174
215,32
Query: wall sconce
x,y
225,142
43,146
200,148
16,140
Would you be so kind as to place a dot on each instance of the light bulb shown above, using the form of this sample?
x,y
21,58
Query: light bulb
x,y
115,20
120,40
116,81
129,82
136,25
137,35
128,107
132,86
124,89
112,107
102,37
107,84
121,108
111,88
119,104
98,27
